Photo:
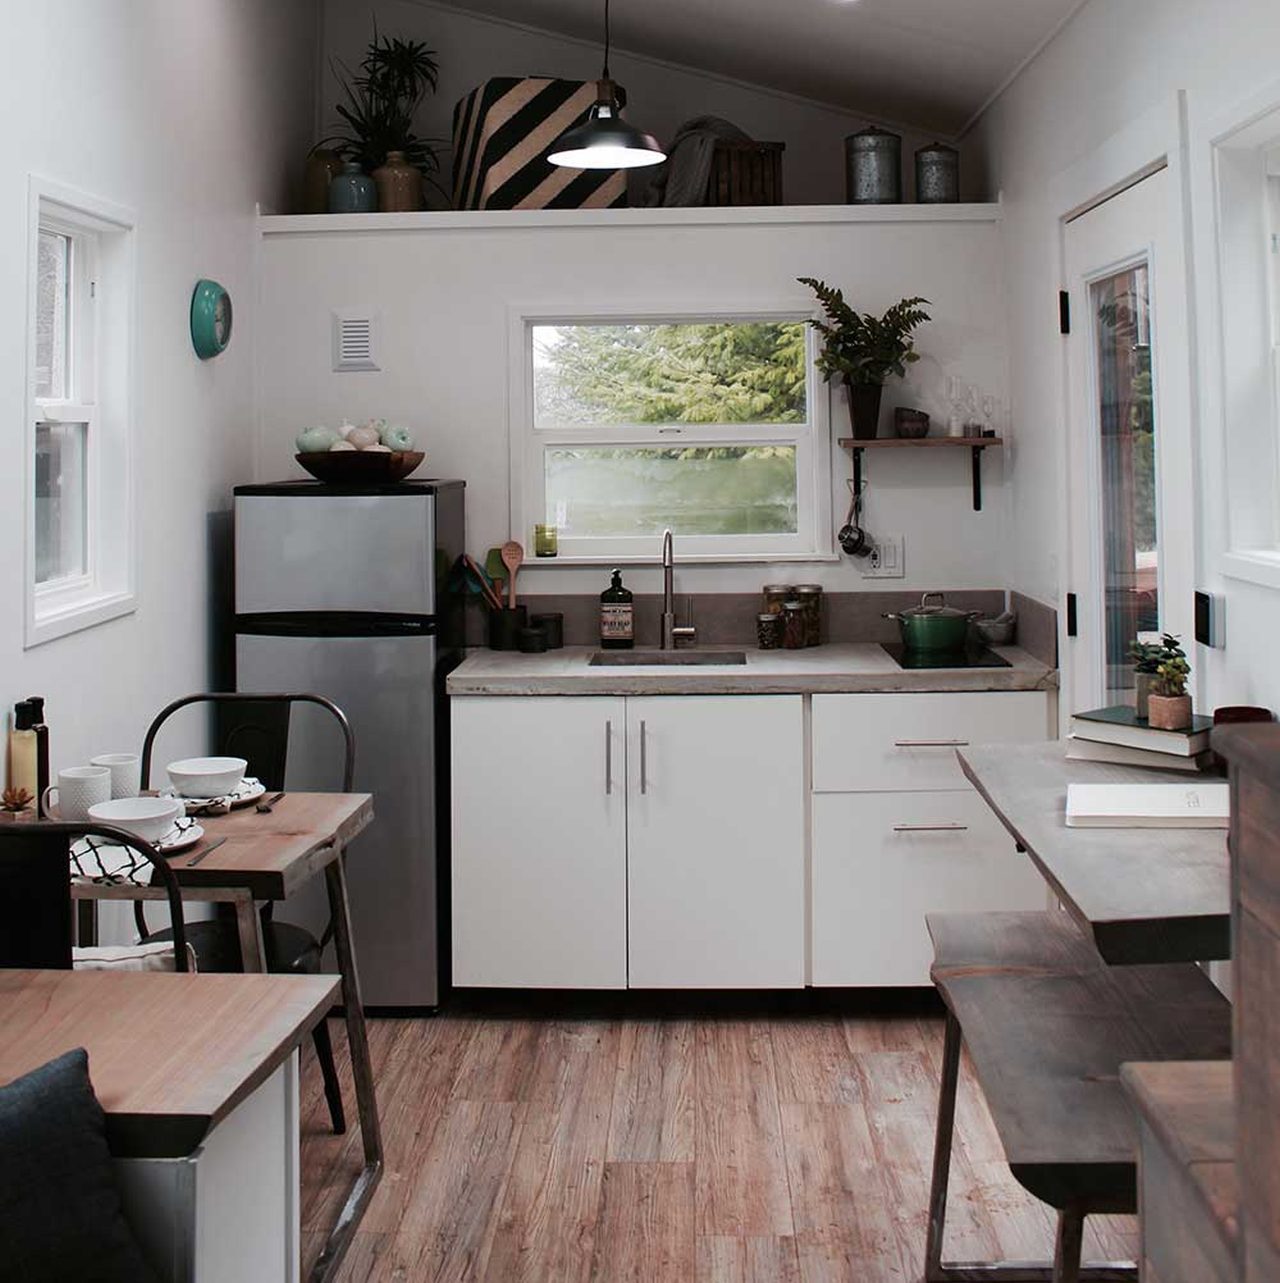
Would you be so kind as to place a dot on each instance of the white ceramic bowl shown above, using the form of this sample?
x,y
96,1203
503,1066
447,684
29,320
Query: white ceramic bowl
x,y
206,776
149,818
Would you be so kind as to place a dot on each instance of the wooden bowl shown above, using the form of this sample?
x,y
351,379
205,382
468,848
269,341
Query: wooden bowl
x,y
361,467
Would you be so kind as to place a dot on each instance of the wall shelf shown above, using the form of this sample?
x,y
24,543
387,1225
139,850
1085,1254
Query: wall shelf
x,y
975,445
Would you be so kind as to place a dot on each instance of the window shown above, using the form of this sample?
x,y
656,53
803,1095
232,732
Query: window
x,y
79,527
713,426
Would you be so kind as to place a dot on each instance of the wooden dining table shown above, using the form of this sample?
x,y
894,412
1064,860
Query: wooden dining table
x,y
1143,895
247,856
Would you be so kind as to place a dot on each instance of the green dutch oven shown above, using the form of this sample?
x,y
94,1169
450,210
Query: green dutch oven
x,y
933,626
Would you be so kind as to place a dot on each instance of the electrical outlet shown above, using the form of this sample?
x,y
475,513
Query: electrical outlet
x,y
887,559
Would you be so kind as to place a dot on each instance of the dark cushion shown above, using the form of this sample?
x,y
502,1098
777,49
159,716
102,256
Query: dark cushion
x,y
60,1214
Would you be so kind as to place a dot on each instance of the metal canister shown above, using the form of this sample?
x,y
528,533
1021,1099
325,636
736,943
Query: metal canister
x,y
810,598
873,167
793,626
776,596
937,175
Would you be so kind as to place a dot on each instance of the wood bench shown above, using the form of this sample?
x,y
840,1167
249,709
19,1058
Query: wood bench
x,y
1048,1025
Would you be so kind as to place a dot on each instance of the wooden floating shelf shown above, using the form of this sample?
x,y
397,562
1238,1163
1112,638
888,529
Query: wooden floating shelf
x,y
976,445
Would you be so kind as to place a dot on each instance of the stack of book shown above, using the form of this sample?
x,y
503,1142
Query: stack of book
x,y
1119,735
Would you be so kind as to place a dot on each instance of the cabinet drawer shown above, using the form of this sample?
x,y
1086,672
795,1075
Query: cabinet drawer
x,y
881,743
882,861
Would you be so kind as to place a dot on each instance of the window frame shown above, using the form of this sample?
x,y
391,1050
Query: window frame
x,y
811,439
99,395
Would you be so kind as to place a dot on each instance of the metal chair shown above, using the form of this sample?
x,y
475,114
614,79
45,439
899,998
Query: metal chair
x,y
36,911
256,728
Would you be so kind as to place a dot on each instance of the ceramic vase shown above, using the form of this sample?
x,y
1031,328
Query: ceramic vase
x,y
1142,689
1169,712
321,169
352,191
399,184
864,409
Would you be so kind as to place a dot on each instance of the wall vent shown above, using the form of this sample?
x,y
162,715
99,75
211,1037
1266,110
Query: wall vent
x,y
355,341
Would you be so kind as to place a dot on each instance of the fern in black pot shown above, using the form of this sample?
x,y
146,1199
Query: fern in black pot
x,y
863,350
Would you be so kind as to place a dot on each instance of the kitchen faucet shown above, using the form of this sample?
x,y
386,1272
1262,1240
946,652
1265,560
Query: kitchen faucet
x,y
672,637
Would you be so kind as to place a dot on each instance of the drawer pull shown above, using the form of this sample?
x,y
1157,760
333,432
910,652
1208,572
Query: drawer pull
x,y
931,743
644,758
608,758
931,828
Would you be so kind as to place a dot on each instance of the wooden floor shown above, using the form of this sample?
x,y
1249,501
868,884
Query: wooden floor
x,y
788,1149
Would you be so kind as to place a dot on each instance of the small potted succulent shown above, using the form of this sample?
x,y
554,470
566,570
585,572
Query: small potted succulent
x,y
1147,658
1169,703
863,350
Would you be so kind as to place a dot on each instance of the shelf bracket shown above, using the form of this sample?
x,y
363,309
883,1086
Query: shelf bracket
x,y
858,452
977,477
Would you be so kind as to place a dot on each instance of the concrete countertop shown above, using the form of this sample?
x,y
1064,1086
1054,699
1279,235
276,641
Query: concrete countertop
x,y
836,668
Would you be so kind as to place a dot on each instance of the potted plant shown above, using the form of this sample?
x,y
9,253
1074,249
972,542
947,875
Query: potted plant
x,y
377,116
864,350
1170,705
1147,658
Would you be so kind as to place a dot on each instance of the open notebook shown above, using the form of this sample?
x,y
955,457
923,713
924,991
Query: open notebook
x,y
1148,806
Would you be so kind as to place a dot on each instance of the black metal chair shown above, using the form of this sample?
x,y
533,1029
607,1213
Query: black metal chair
x,y
36,909
256,728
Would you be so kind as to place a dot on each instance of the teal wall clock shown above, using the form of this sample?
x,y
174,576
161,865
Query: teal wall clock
x,y
210,319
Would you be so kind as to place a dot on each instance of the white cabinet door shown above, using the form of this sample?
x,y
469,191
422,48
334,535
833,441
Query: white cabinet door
x,y
874,743
539,842
716,841
882,861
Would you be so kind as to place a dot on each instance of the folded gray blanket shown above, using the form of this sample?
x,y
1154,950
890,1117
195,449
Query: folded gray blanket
x,y
684,178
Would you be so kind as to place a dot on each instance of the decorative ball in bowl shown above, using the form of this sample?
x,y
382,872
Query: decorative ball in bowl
x,y
361,467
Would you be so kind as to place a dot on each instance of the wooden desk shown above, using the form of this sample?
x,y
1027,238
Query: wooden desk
x,y
267,857
170,1055
1143,895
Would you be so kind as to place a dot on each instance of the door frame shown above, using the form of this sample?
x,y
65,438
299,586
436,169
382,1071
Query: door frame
x,y
1156,140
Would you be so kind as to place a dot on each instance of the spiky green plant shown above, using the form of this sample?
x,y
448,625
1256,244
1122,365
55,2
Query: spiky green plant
x,y
1171,677
381,100
859,346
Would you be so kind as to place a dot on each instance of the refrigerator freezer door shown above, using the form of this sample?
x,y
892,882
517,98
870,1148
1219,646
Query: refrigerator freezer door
x,y
385,685
343,552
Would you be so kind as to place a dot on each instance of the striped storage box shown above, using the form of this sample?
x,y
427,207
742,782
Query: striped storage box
x,y
501,135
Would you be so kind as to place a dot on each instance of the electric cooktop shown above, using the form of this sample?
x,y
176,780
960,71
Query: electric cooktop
x,y
975,657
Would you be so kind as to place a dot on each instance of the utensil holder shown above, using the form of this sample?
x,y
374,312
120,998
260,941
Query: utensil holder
x,y
505,626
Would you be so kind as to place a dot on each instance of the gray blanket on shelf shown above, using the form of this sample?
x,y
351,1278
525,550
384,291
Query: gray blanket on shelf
x,y
684,178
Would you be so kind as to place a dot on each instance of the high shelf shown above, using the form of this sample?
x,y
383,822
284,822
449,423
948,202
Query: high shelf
x,y
976,445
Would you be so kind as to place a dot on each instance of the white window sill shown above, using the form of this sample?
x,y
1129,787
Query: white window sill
x,y
1253,565
72,617
707,559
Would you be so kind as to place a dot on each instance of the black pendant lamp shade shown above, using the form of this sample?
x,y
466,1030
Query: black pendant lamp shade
x,y
606,141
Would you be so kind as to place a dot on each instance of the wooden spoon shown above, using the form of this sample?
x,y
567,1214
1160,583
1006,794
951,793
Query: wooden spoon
x,y
513,559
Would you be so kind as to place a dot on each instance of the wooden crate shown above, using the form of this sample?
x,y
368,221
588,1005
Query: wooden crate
x,y
746,174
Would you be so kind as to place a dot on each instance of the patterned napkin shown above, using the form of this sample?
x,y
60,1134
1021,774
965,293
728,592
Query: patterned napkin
x,y
218,805
94,859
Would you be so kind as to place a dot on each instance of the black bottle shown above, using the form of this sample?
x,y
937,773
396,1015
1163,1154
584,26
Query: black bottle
x,y
36,705
617,616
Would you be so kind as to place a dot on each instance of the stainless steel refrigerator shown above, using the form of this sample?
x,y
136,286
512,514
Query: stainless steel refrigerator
x,y
343,592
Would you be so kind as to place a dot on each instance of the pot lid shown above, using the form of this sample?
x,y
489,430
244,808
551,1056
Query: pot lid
x,y
939,610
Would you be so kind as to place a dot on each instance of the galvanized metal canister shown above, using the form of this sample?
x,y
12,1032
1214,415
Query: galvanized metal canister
x,y
873,167
937,175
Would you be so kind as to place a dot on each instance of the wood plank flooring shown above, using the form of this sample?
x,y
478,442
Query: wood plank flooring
x,y
787,1149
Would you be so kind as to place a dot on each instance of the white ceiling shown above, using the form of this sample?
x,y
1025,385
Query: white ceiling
x,y
929,63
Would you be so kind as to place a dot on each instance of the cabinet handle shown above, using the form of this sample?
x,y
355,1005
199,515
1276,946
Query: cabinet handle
x,y
930,828
608,758
931,743
644,757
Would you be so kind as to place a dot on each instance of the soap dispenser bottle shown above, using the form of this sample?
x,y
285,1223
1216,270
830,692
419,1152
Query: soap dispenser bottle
x,y
23,750
617,616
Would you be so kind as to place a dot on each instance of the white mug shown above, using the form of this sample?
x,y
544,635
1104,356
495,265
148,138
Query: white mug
x,y
78,788
125,771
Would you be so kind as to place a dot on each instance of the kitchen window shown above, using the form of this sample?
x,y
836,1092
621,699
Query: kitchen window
x,y
711,425
79,494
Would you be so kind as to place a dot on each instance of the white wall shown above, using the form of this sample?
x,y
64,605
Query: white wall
x,y
473,48
1120,63
444,294
189,114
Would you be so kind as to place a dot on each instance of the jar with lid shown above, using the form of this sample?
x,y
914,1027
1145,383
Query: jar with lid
x,y
793,631
769,630
810,598
776,596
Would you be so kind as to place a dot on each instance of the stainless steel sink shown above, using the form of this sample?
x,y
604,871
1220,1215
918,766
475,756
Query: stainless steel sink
x,y
666,658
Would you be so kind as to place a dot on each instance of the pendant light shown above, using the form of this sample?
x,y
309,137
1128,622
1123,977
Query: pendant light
x,y
606,141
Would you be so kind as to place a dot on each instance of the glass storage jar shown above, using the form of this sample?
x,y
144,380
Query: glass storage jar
x,y
769,629
810,598
776,596
793,630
